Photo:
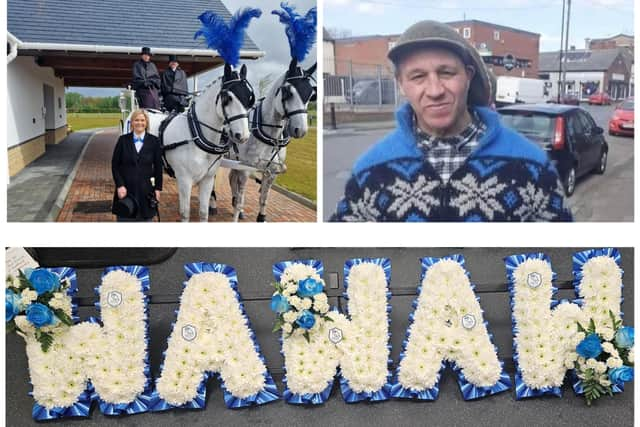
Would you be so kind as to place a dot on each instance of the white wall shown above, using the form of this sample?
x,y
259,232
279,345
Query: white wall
x,y
25,99
329,60
577,77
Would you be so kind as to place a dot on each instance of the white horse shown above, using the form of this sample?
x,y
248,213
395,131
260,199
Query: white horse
x,y
282,114
195,141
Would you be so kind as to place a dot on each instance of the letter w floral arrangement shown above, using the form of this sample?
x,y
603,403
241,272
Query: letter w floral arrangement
x,y
72,365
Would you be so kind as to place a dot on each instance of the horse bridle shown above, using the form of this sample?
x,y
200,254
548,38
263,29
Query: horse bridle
x,y
306,91
243,91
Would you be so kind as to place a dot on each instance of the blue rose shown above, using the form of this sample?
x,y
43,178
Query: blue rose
x,y
621,375
279,303
12,305
43,281
589,347
624,337
306,320
309,287
40,315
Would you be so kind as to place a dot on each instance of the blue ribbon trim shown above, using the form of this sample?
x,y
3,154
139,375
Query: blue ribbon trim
x,y
141,402
268,394
158,404
307,398
400,392
384,392
81,408
472,392
468,390
581,258
287,395
280,267
512,262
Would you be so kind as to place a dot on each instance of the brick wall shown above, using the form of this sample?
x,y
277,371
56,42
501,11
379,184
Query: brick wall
x,y
520,44
367,51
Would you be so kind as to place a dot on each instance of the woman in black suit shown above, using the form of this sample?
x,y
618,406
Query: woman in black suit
x,y
137,171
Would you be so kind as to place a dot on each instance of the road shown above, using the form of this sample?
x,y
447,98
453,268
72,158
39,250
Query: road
x,y
607,197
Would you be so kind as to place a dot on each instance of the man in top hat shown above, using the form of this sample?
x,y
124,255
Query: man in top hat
x,y
146,80
449,158
174,86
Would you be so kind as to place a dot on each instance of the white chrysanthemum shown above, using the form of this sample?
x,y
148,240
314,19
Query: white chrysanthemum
x,y
358,346
290,316
112,356
287,328
606,333
210,334
448,325
614,362
631,355
27,296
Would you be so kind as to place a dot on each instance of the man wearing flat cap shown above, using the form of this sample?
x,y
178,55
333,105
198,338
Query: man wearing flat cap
x,y
449,158
146,81
174,86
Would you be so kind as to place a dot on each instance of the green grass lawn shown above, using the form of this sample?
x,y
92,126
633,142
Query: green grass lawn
x,y
301,166
301,153
80,121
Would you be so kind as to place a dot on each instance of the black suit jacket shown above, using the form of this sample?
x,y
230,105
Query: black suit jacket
x,y
134,170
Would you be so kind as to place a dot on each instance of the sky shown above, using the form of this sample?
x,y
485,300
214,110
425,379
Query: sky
x,y
589,18
266,32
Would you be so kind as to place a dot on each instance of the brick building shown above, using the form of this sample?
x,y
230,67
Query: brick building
x,y
590,71
493,42
621,40
356,54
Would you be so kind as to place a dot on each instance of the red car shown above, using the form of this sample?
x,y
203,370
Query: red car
x,y
600,98
621,122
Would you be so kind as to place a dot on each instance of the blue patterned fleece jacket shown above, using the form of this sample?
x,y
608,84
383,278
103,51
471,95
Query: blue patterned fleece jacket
x,y
507,178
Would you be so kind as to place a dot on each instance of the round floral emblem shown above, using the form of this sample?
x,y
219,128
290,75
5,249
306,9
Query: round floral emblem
x,y
534,280
468,321
335,335
114,298
189,332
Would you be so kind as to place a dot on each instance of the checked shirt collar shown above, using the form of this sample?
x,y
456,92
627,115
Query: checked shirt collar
x,y
448,154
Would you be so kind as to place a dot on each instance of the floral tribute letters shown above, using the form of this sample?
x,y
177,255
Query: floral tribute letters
x,y
315,341
72,364
86,361
212,334
447,326
585,335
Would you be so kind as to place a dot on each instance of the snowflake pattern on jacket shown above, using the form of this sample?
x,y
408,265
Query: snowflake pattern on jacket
x,y
507,178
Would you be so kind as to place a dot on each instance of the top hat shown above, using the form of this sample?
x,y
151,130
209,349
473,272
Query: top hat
x,y
173,58
126,207
426,34
146,51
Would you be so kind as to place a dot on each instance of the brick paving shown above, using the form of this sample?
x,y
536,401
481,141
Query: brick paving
x,y
93,183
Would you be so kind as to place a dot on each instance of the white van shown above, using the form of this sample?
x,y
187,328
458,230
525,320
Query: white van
x,y
519,90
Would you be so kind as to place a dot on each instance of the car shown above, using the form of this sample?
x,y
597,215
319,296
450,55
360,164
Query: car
x,y
622,121
569,135
568,99
367,92
600,98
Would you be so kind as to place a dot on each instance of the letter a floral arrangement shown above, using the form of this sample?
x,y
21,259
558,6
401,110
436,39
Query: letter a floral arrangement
x,y
73,365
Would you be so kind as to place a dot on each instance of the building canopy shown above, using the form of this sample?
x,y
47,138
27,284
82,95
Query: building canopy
x,y
94,42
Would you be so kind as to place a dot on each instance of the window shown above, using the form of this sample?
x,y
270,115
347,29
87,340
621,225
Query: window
x,y
496,35
59,103
466,32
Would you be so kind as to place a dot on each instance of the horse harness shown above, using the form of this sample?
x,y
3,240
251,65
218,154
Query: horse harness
x,y
301,82
242,89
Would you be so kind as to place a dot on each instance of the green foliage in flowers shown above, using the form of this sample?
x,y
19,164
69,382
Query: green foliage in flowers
x,y
594,373
43,333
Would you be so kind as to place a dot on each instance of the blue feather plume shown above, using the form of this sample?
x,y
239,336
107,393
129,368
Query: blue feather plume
x,y
226,39
300,30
